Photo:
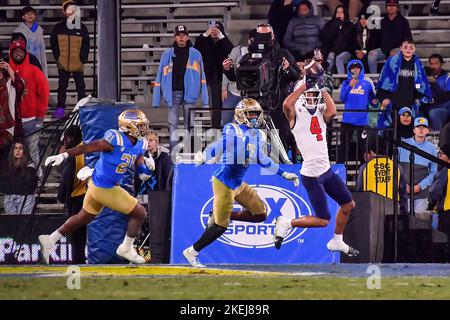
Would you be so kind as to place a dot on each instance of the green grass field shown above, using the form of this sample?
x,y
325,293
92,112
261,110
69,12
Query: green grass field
x,y
225,287
169,282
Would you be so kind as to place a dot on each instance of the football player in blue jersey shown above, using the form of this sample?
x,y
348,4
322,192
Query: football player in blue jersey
x,y
241,144
120,149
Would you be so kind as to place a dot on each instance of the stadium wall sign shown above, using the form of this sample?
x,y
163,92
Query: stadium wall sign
x,y
243,242
19,239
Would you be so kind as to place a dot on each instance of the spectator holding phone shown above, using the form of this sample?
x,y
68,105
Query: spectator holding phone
x,y
215,47
356,93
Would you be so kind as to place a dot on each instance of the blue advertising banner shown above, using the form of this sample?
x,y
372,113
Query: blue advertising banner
x,y
244,242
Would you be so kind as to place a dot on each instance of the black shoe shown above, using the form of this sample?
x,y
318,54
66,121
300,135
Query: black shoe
x,y
434,11
278,241
352,252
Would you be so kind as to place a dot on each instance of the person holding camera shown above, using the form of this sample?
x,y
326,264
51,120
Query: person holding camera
x,y
282,72
215,47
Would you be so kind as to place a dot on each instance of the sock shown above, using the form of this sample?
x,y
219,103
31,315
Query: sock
x,y
128,242
56,236
191,248
338,237
208,237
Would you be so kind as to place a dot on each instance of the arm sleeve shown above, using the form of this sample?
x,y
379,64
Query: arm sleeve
x,y
205,97
264,160
345,90
111,137
85,44
439,185
432,172
43,92
156,98
287,39
54,42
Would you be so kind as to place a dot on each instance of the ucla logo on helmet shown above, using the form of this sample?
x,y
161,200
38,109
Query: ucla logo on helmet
x,y
279,201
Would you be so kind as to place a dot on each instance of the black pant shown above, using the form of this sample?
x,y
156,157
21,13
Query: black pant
x,y
63,83
215,101
78,237
347,149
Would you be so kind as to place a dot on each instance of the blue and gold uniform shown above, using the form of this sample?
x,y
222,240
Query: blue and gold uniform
x,y
238,147
103,188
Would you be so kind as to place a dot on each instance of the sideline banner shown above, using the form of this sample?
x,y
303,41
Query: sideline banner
x,y
243,242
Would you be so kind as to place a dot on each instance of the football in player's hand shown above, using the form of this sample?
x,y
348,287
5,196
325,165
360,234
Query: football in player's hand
x,y
313,68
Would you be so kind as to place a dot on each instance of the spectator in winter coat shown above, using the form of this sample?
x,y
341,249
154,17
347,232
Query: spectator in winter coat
x,y
304,32
34,35
70,48
337,40
280,13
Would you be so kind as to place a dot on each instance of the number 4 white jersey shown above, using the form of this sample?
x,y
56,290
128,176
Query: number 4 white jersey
x,y
310,132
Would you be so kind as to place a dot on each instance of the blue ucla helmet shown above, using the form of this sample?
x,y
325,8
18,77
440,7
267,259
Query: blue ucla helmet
x,y
244,109
134,122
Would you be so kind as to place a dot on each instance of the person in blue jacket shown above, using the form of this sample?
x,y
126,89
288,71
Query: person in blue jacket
x,y
180,80
357,94
424,169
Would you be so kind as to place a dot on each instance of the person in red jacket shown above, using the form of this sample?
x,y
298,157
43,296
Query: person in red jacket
x,y
35,98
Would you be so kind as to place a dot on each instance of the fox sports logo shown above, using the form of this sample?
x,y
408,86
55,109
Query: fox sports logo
x,y
279,201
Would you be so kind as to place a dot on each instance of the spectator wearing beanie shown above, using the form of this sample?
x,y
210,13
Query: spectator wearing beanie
x,y
280,13
34,35
70,47
31,57
364,39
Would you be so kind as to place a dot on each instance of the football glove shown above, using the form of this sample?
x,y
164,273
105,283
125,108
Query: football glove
x,y
291,176
150,163
85,173
199,158
56,160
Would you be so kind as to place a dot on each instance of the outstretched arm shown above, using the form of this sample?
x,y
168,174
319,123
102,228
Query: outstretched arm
x,y
330,111
289,104
94,146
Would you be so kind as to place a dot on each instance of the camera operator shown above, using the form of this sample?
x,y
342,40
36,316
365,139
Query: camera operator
x,y
283,71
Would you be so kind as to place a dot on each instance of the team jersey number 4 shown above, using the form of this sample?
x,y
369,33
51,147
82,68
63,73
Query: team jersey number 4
x,y
315,128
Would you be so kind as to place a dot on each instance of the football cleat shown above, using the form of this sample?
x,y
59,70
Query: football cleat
x,y
339,245
46,247
134,122
192,258
282,228
130,254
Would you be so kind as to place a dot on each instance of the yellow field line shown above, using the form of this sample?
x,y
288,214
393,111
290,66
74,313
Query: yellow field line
x,y
123,271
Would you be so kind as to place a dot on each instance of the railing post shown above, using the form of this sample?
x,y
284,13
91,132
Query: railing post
x,y
395,183
411,184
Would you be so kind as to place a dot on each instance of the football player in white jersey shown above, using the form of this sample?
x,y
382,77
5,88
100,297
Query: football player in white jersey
x,y
308,109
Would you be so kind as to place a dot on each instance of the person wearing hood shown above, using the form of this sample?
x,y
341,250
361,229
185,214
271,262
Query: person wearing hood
x,y
70,47
337,38
34,35
357,94
34,103
405,126
215,47
180,80
304,32
439,109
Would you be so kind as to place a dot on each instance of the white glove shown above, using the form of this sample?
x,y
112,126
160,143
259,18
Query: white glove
x,y
291,176
199,158
56,160
144,177
85,173
150,163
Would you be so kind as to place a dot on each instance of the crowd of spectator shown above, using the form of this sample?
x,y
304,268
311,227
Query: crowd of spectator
x,y
25,92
